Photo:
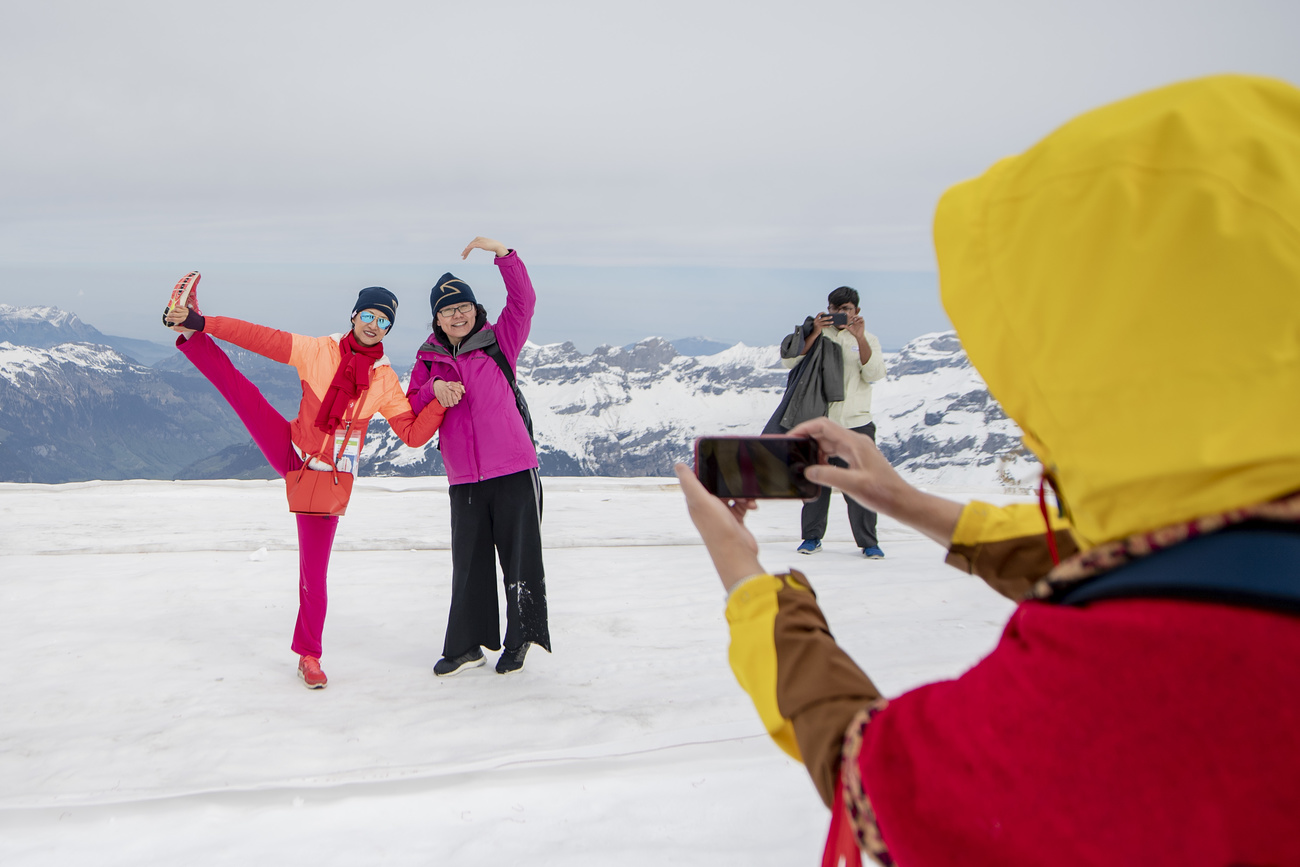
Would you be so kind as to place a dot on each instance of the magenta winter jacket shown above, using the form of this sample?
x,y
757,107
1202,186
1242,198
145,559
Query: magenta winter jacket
x,y
483,436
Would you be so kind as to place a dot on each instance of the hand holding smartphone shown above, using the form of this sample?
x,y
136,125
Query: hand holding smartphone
x,y
840,320
757,467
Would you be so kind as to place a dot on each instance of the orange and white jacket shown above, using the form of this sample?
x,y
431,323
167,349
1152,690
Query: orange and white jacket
x,y
316,359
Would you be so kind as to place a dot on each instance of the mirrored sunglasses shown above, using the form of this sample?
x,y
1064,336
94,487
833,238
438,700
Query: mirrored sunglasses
x,y
369,317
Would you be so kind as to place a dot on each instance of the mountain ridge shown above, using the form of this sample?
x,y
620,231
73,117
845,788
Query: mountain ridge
x,y
81,409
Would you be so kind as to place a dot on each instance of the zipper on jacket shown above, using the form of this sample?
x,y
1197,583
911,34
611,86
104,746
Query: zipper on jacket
x,y
469,418
478,461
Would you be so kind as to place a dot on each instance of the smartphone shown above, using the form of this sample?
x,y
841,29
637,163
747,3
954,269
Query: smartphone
x,y
760,468
840,319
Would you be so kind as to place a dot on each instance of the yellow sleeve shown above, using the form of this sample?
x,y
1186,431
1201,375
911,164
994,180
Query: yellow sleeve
x,y
805,688
751,614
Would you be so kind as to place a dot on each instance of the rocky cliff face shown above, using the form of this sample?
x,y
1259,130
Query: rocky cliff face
x,y
937,423
81,411
73,407
636,411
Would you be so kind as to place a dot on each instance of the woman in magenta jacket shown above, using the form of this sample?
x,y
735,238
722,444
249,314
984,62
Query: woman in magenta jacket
x,y
491,467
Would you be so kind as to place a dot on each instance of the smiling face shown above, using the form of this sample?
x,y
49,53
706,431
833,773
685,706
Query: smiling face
x,y
457,321
369,333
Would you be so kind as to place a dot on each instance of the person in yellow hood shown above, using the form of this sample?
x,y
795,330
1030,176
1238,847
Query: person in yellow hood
x,y
1129,288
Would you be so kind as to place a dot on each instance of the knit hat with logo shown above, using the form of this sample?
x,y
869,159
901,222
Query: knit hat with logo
x,y
377,298
448,291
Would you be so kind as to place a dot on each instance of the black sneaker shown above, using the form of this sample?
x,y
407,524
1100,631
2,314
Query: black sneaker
x,y
512,660
455,665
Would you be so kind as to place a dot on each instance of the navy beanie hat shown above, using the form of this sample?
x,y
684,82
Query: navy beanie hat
x,y
377,298
449,291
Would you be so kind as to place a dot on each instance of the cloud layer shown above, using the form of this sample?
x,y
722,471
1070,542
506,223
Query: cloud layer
x,y
720,133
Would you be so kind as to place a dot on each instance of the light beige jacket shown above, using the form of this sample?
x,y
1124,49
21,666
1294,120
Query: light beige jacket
x,y
855,409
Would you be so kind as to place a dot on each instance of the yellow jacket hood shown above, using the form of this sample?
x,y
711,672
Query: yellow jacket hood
x,y
1130,290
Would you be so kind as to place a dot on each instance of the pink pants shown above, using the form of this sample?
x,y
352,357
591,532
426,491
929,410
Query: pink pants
x,y
270,431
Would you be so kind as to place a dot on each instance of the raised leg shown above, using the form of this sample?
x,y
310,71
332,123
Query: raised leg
x,y
269,429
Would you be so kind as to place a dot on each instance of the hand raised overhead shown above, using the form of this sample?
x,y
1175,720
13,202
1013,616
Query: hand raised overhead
x,y
481,243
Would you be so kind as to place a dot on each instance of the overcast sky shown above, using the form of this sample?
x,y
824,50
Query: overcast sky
x,y
689,136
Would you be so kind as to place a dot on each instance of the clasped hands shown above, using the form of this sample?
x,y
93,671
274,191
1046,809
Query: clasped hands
x,y
448,393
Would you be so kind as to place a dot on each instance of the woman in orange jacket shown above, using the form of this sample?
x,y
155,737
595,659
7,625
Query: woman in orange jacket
x,y
346,379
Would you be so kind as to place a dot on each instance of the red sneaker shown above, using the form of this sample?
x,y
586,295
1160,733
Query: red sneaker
x,y
185,294
309,671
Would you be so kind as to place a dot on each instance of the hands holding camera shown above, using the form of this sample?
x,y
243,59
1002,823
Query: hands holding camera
x,y
843,320
851,322
869,479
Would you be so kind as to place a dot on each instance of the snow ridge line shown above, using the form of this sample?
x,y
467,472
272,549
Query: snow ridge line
x,y
400,545
346,784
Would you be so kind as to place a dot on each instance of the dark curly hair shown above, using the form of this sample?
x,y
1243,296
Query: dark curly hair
x,y
843,295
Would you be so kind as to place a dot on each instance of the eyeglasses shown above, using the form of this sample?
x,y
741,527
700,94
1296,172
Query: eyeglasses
x,y
458,310
369,317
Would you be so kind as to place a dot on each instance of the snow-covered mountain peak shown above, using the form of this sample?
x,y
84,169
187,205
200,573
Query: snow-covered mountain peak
x,y
23,364
740,355
648,354
535,355
928,352
629,411
636,410
53,315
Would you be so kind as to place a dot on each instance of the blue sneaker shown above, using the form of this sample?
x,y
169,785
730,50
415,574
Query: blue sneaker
x,y
873,553
810,546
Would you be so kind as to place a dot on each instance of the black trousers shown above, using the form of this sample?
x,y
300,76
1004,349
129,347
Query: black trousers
x,y
862,520
496,517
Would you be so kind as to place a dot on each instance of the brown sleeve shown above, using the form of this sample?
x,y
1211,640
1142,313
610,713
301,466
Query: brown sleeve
x,y
1007,545
1012,566
818,687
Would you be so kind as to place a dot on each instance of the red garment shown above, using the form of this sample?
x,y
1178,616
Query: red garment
x,y
1192,707
317,360
351,378
272,433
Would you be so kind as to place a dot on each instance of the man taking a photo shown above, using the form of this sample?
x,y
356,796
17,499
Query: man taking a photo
x,y
837,360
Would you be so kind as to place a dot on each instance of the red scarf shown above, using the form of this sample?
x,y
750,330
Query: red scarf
x,y
352,378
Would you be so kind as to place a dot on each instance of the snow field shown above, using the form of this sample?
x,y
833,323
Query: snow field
x,y
151,713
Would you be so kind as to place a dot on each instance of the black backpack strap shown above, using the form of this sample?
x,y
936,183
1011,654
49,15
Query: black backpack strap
x,y
499,357
521,403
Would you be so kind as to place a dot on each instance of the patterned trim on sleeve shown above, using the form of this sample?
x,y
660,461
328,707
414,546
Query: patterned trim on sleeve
x,y
1095,561
861,814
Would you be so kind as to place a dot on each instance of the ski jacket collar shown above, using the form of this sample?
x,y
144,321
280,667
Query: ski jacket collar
x,y
480,338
